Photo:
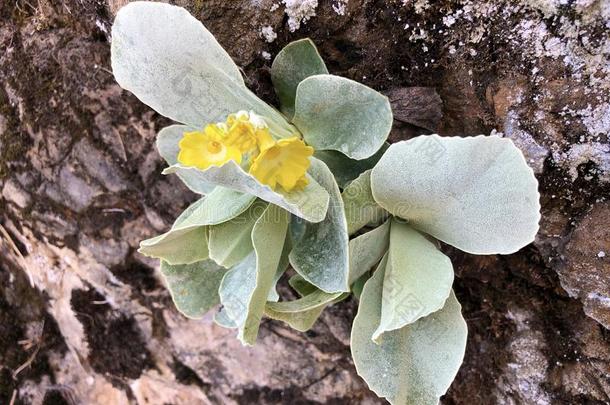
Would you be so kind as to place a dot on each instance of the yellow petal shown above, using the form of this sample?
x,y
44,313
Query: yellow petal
x,y
284,163
264,139
206,148
247,132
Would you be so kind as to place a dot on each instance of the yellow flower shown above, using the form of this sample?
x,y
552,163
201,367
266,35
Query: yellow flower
x,y
284,163
248,132
206,148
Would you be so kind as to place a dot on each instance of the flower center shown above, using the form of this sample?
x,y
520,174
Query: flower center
x,y
214,147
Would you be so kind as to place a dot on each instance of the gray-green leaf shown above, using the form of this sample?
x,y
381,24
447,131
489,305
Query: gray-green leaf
x,y
301,314
310,203
167,145
245,288
296,62
171,62
222,318
340,114
412,365
231,241
418,279
193,287
367,249
187,241
320,250
361,209
477,194
346,169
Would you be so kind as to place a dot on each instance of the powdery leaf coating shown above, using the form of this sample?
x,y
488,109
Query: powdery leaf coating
x,y
301,314
281,269
193,287
320,250
340,114
310,203
187,241
222,318
301,286
361,209
346,169
172,63
296,62
475,193
412,365
167,145
178,246
230,242
366,250
245,288
417,282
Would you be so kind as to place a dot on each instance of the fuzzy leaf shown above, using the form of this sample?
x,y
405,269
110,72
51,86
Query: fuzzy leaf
x,y
193,287
320,250
340,114
167,145
301,286
172,63
296,62
222,318
231,241
187,241
412,365
476,193
361,209
346,169
245,288
310,204
418,279
301,314
281,269
366,250
178,246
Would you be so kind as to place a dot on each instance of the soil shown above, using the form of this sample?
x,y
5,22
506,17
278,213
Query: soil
x,y
89,319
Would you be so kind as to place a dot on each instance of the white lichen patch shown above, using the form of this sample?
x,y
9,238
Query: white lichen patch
x,y
299,11
340,6
566,31
534,153
579,154
268,33
596,120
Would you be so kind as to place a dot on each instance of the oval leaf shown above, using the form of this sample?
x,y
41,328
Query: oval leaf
x,y
231,241
361,209
296,62
366,251
187,240
412,365
193,287
245,288
167,145
320,250
417,282
477,194
172,63
340,114
310,204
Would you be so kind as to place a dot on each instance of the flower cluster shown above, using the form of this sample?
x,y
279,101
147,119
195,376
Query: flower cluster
x,y
245,139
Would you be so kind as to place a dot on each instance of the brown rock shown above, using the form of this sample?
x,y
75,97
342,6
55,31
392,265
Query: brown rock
x,y
586,274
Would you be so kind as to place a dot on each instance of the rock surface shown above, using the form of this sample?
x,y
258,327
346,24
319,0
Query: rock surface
x,y
85,319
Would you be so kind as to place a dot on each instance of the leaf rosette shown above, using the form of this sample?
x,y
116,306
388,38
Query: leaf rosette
x,y
313,187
